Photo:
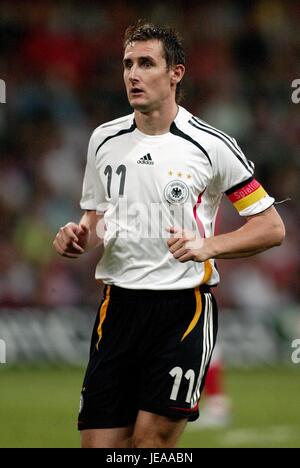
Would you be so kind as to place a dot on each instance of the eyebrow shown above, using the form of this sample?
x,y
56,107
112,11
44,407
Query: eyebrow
x,y
142,57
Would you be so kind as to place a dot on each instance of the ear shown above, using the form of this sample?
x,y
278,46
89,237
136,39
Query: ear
x,y
177,73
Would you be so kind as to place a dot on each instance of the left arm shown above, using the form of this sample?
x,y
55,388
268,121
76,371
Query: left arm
x,y
260,232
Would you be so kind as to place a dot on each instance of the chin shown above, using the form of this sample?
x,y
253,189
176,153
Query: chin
x,y
141,106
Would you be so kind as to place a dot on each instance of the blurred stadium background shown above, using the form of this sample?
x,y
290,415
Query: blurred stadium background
x,y
61,62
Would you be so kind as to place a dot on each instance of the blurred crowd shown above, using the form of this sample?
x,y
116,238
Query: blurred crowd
x,y
62,64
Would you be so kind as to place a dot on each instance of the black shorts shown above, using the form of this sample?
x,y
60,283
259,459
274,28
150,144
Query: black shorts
x,y
150,351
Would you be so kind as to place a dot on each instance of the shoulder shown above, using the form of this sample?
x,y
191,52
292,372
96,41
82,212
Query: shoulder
x,y
112,128
210,137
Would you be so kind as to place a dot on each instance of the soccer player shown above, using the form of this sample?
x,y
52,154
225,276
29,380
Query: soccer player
x,y
152,186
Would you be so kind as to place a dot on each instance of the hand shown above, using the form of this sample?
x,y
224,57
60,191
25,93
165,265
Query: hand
x,y
71,240
186,246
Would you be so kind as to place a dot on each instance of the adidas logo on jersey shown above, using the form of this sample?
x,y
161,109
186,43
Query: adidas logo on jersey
x,y
145,159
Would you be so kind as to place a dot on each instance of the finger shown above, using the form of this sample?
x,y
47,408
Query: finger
x,y
174,238
180,252
59,243
74,249
177,244
62,238
84,229
186,257
70,255
65,250
70,230
183,238
69,234
65,237
77,247
172,241
173,230
186,238
57,247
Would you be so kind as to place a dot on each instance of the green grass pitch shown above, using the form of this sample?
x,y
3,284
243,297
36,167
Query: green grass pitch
x,y
38,408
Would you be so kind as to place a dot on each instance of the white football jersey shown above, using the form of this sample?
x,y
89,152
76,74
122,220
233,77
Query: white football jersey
x,y
145,183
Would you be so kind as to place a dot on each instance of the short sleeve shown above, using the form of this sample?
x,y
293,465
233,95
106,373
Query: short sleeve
x,y
93,193
235,177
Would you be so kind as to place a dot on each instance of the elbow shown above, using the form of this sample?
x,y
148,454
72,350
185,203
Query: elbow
x,y
278,234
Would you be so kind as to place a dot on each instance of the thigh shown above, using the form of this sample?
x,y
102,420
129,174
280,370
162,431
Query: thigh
x,y
107,399
107,438
175,371
155,431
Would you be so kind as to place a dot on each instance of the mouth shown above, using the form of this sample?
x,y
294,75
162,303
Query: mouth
x,y
136,91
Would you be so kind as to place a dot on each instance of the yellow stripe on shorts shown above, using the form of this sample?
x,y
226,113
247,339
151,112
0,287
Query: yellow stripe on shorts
x,y
207,272
196,316
102,313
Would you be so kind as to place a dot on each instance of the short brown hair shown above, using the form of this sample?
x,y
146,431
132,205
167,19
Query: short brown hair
x,y
171,41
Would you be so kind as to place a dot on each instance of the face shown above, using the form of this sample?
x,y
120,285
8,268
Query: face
x,y
149,83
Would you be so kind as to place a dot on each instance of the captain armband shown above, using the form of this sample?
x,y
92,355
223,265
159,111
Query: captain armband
x,y
246,194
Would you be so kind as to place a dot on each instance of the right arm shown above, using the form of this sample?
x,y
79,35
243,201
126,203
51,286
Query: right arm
x,y
72,240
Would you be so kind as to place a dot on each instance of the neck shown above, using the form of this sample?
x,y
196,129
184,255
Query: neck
x,y
156,122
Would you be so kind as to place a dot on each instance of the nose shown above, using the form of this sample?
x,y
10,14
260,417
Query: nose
x,y
133,77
